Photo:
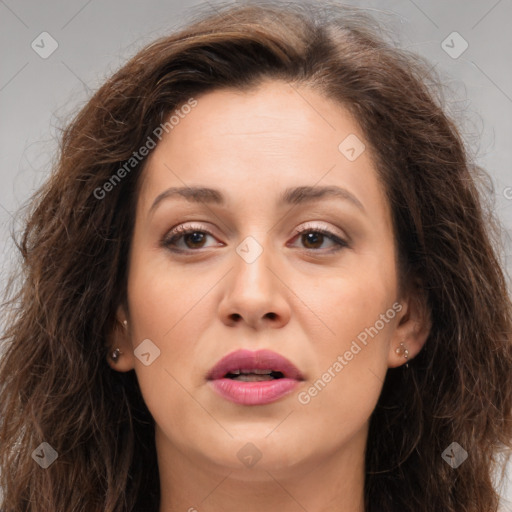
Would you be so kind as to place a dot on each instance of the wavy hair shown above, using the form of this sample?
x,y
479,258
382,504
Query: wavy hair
x,y
55,383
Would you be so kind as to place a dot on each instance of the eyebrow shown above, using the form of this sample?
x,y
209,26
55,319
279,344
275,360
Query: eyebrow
x,y
291,196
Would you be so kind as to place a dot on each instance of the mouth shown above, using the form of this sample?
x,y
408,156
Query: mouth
x,y
254,378
248,366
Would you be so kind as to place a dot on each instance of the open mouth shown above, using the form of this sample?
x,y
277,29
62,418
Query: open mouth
x,y
259,377
258,366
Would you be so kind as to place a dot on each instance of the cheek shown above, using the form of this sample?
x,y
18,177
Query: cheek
x,y
341,406
351,370
163,309
353,353
355,300
163,300
170,309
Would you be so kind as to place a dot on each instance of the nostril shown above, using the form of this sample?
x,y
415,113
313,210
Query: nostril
x,y
234,319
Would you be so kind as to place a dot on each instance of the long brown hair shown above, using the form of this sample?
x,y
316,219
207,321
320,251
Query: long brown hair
x,y
55,384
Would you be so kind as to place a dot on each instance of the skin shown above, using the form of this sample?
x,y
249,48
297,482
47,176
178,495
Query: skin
x,y
297,298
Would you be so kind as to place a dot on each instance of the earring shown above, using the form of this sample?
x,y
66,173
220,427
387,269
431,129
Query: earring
x,y
115,355
402,350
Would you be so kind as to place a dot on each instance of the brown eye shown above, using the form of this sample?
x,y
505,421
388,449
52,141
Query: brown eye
x,y
196,238
193,238
313,239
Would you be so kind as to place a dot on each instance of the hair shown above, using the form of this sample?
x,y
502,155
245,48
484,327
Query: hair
x,y
55,383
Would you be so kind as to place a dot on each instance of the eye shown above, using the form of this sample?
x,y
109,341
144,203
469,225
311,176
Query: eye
x,y
194,237
316,235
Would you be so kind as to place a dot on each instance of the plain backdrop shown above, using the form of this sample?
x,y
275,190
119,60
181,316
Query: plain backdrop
x,y
92,38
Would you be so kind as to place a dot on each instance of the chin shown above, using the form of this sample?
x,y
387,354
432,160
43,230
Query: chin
x,y
255,454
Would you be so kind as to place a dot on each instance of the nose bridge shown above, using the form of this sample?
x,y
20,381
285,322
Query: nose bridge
x,y
254,256
254,292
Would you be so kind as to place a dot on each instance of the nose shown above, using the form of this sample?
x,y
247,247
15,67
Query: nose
x,y
255,293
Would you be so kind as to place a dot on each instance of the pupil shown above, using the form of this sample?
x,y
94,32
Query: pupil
x,y
310,237
195,234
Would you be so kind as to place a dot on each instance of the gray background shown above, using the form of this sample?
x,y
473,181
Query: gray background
x,y
94,37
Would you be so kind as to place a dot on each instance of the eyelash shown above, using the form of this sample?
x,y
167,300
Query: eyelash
x,y
177,233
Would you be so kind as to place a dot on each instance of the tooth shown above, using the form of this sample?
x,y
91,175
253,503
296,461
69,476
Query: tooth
x,y
235,372
254,378
257,372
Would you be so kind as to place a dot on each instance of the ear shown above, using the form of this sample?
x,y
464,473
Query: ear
x,y
120,338
413,325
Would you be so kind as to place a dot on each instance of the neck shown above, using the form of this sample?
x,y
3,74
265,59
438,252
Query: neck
x,y
331,482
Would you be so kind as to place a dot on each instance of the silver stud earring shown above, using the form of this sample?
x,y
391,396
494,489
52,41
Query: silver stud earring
x,y
115,355
402,350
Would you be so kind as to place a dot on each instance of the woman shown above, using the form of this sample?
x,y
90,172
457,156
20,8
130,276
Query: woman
x,y
343,341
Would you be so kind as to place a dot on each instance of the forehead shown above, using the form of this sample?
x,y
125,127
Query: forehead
x,y
274,110
270,138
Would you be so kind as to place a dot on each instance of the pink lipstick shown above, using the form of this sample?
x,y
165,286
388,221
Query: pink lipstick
x,y
254,378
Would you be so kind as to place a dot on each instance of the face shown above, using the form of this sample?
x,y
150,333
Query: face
x,y
311,278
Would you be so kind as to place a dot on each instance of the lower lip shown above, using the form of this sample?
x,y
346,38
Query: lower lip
x,y
253,393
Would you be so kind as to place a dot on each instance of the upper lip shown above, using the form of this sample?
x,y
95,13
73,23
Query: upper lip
x,y
258,360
